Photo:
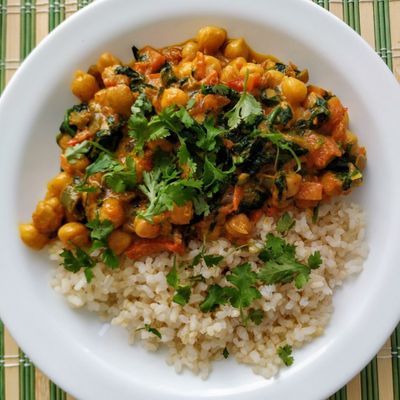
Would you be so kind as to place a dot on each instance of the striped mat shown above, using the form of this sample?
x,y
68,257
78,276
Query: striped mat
x,y
24,23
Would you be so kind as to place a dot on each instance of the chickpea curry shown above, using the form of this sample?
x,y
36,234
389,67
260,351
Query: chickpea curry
x,y
192,140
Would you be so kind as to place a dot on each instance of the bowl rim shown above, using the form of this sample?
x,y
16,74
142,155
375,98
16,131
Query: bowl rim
x,y
361,352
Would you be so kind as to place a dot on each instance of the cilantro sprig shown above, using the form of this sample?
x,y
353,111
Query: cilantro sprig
x,y
285,354
182,293
281,265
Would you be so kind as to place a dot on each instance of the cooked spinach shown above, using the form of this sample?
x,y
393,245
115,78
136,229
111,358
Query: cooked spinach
x,y
66,126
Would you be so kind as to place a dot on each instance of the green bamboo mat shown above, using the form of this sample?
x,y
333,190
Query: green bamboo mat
x,y
23,23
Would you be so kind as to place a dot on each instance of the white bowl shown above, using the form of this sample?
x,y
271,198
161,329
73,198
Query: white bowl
x,y
69,345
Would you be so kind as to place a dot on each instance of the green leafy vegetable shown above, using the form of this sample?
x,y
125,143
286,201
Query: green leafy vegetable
x,y
150,329
285,223
122,177
66,126
281,143
208,139
244,292
100,230
110,258
225,353
168,76
215,178
220,89
216,296
81,259
163,188
247,110
256,316
182,295
281,265
104,162
285,354
212,260
73,153
140,127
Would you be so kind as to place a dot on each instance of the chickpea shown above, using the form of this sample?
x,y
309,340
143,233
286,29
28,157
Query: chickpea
x,y
293,182
112,210
145,229
63,141
48,215
274,78
106,60
212,64
119,98
294,90
75,166
184,69
237,48
210,39
119,241
58,184
75,233
238,226
229,73
238,63
173,96
182,215
84,86
110,78
190,50
32,237
251,68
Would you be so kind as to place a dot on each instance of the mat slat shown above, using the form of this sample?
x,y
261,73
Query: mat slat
x,y
24,23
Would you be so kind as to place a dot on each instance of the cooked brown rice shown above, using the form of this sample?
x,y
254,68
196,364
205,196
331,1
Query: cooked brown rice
x,y
138,294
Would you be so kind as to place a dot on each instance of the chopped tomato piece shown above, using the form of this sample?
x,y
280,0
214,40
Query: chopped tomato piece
x,y
146,247
236,84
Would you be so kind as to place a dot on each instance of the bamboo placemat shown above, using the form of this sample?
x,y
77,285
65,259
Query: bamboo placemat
x,y
24,23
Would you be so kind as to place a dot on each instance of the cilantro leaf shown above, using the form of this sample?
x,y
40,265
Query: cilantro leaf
x,y
213,177
216,296
104,162
122,177
244,293
225,353
212,260
247,110
100,230
110,258
315,260
256,316
208,140
164,189
185,159
182,295
88,274
285,354
281,265
142,129
70,262
81,259
150,329
73,153
285,223
172,277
